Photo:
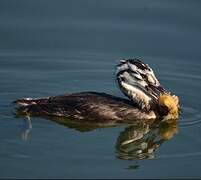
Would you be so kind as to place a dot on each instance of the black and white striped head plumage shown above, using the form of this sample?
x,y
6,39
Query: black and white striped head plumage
x,y
138,82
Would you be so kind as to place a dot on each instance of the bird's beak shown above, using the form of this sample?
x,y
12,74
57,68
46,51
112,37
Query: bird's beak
x,y
157,90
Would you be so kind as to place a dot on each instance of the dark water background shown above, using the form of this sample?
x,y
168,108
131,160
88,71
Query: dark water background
x,y
52,47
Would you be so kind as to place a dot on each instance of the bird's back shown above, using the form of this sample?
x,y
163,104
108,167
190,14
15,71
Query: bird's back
x,y
91,106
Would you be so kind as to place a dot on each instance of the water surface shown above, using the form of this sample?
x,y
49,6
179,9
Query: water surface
x,y
52,47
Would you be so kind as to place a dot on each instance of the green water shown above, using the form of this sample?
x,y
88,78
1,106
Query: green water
x,y
53,47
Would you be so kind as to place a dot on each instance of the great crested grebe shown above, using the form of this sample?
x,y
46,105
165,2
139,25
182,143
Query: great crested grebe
x,y
147,99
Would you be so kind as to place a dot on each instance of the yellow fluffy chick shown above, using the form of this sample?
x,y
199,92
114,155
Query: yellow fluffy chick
x,y
172,103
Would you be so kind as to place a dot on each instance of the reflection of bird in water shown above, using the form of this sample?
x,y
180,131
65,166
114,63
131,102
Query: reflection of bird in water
x,y
26,128
147,99
137,141
140,141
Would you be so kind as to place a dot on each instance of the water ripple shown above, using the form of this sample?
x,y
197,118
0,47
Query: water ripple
x,y
189,117
180,155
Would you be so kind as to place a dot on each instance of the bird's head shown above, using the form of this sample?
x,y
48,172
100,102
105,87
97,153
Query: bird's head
x,y
169,106
139,83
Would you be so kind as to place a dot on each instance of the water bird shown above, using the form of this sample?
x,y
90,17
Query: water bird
x,y
146,99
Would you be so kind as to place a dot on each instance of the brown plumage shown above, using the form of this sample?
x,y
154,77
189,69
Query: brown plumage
x,y
90,106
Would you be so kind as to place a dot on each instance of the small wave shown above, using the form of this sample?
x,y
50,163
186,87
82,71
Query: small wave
x,y
189,117
181,155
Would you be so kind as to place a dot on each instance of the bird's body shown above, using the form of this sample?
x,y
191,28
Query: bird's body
x,y
136,80
89,106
